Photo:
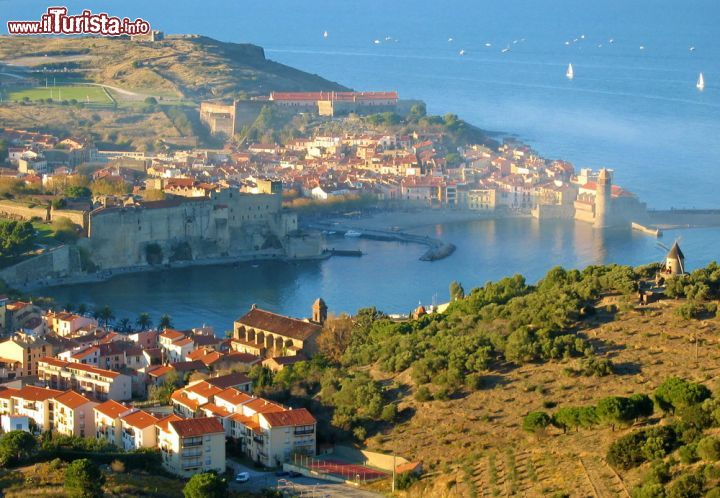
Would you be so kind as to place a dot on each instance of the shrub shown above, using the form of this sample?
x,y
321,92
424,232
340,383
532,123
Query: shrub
x,y
708,449
207,485
83,479
405,480
676,393
688,454
536,422
633,449
687,486
423,394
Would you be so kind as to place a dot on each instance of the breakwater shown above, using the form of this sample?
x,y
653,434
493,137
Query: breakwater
x,y
684,218
437,249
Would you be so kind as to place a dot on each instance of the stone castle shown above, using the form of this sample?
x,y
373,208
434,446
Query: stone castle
x,y
226,224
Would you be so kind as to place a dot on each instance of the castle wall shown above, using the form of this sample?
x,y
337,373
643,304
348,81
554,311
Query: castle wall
x,y
18,211
56,263
228,224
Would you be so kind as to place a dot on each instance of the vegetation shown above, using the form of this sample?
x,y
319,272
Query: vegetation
x,y
16,237
83,479
207,485
15,447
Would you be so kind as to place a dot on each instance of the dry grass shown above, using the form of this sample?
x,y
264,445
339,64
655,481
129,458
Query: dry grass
x,y
483,429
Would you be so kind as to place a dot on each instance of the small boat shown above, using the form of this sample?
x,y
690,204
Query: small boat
x,y
488,44
611,40
567,42
462,52
377,42
570,74
700,82
692,49
582,37
255,265
505,50
450,40
353,233
642,47
325,34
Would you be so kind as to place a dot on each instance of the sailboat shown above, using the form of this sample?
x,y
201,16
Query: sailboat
x,y
700,82
325,34
570,74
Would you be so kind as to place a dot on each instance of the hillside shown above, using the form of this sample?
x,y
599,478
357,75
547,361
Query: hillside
x,y
190,67
454,389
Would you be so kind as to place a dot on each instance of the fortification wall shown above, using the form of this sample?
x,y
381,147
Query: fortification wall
x,y
229,224
18,211
77,217
56,263
553,212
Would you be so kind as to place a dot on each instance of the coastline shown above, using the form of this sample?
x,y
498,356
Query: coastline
x,y
411,219
106,275
401,220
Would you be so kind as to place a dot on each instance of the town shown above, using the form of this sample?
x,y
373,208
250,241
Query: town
x,y
130,210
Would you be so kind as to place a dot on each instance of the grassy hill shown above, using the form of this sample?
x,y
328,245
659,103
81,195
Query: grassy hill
x,y
190,67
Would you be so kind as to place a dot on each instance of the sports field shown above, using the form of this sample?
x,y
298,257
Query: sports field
x,y
90,94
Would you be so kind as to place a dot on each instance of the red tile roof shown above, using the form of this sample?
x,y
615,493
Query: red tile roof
x,y
71,399
139,419
289,417
278,324
197,426
32,393
230,380
165,421
112,409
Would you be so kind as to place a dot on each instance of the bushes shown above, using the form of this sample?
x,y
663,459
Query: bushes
x,y
83,479
633,449
536,422
708,448
207,485
676,393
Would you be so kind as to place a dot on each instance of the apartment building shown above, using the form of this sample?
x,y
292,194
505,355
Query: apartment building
x,y
138,430
108,425
192,446
73,414
88,380
35,403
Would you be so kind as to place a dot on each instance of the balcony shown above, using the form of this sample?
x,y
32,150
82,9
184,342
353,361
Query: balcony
x,y
304,432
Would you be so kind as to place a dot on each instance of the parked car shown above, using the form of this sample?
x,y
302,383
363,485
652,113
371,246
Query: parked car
x,y
282,473
242,477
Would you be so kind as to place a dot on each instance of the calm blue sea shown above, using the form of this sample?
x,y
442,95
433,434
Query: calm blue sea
x,y
631,109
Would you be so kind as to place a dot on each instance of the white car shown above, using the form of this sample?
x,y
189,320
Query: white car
x,y
242,477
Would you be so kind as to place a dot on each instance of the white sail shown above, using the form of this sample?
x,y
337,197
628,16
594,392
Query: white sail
x,y
700,82
325,34
570,73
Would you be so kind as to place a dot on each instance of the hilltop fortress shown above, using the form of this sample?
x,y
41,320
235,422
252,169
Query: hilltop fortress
x,y
227,223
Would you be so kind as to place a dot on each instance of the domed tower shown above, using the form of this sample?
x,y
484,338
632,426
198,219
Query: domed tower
x,y
319,311
603,201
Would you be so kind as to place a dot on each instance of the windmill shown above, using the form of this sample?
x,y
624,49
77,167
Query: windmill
x,y
674,258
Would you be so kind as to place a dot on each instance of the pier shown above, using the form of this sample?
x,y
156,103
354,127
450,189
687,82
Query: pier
x,y
437,249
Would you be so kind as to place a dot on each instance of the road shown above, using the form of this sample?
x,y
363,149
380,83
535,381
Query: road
x,y
300,486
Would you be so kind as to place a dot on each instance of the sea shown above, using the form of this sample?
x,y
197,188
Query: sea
x,y
632,106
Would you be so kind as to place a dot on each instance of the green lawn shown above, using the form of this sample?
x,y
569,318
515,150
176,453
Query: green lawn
x,y
92,94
